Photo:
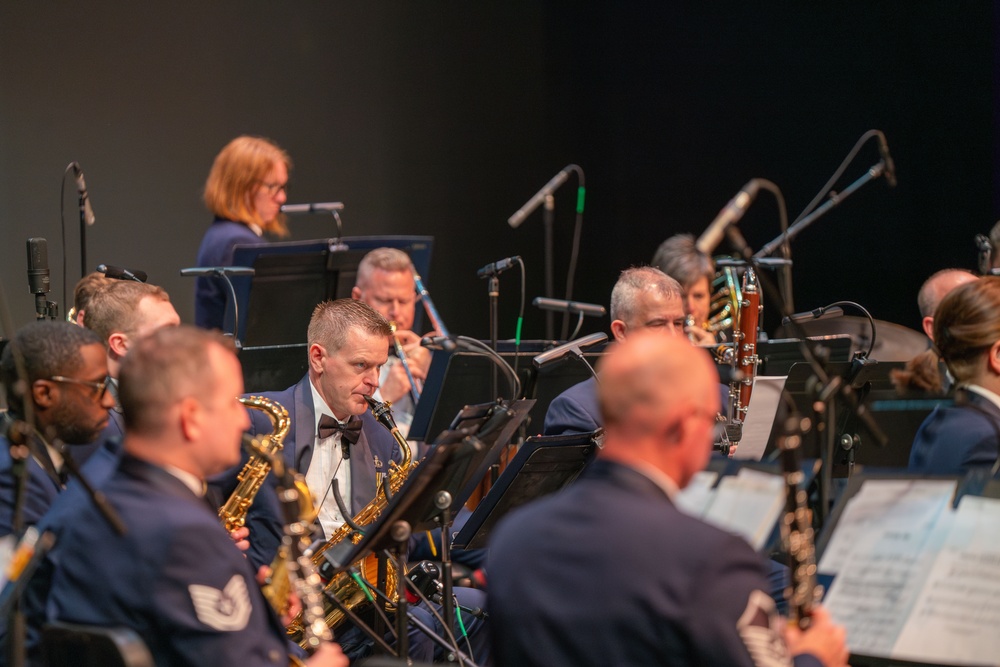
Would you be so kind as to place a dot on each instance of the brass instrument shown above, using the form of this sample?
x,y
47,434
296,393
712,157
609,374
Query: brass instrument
x,y
346,590
234,512
724,309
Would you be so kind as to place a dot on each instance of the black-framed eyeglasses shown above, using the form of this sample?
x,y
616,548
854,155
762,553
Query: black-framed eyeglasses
x,y
274,188
100,387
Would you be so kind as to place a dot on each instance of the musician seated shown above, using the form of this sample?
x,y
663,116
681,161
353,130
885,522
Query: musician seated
x,y
643,298
679,258
174,575
956,438
610,572
334,437
385,282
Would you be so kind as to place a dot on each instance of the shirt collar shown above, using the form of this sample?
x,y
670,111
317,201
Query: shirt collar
x,y
193,482
658,477
985,393
320,408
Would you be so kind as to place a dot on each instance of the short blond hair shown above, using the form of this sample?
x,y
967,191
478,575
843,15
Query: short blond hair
x,y
332,320
236,173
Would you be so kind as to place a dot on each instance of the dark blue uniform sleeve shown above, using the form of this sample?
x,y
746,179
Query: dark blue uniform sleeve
x,y
567,415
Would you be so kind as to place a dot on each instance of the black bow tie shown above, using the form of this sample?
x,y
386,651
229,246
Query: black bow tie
x,y
349,432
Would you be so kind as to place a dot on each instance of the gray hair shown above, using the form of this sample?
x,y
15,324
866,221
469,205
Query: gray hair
x,y
632,282
386,259
680,259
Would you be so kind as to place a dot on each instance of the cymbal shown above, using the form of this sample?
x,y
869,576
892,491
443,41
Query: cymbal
x,y
893,342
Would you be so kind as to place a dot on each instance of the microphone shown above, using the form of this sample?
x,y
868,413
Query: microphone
x,y
824,312
574,307
81,187
573,347
446,343
321,207
119,273
533,203
729,215
496,268
38,266
218,271
890,166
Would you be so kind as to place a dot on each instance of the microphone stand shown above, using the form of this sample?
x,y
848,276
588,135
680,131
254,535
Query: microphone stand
x,y
829,387
224,272
548,221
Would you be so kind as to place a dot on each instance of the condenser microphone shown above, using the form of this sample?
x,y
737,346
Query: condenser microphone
x,y
572,307
890,166
573,347
496,268
200,271
120,273
39,281
729,215
320,207
81,187
815,314
533,203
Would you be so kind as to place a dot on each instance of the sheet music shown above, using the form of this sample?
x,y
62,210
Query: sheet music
x,y
882,551
748,504
763,406
881,507
957,616
696,496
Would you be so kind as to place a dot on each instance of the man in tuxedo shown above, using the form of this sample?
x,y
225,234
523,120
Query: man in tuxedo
x,y
65,388
610,572
334,439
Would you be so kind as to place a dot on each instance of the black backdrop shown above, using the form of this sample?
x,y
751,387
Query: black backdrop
x,y
444,117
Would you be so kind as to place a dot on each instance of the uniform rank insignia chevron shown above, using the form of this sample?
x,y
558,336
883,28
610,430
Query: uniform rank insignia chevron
x,y
227,610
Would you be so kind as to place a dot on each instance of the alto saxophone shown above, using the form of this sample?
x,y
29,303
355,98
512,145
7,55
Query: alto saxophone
x,y
342,586
234,512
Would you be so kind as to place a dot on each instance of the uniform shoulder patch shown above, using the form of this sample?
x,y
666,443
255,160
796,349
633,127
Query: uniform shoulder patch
x,y
760,629
227,610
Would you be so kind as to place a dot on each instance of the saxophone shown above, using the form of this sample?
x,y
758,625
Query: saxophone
x,y
342,586
234,512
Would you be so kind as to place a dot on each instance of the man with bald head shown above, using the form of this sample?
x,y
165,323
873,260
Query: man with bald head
x,y
934,290
610,572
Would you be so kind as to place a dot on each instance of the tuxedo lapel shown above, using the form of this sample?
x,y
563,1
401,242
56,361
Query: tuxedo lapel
x,y
364,466
304,436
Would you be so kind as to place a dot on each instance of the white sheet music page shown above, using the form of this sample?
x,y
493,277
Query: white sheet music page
x,y
748,504
695,498
883,548
763,406
956,619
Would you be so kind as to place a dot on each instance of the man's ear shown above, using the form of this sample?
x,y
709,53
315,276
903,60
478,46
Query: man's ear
x,y
993,362
43,394
118,344
191,418
928,325
618,329
356,293
316,353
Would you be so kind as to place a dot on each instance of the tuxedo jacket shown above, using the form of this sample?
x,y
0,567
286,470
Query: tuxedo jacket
x,y
371,454
954,438
41,489
609,572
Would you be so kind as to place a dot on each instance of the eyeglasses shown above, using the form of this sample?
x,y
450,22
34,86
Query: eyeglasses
x,y
274,188
100,387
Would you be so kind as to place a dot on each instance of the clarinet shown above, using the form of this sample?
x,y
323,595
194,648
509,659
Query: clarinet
x,y
803,593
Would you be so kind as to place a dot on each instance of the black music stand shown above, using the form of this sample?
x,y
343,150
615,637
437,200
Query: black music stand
x,y
543,465
292,277
458,378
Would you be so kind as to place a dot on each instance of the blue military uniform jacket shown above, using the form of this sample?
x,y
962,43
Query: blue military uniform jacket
x,y
610,572
217,250
957,437
374,450
176,577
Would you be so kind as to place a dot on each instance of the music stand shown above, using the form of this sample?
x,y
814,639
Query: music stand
x,y
543,465
293,277
458,378
271,367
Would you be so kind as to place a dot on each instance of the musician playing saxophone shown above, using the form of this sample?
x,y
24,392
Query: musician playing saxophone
x,y
333,436
173,575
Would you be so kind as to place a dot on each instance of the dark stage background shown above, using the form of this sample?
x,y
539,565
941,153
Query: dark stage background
x,y
442,118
